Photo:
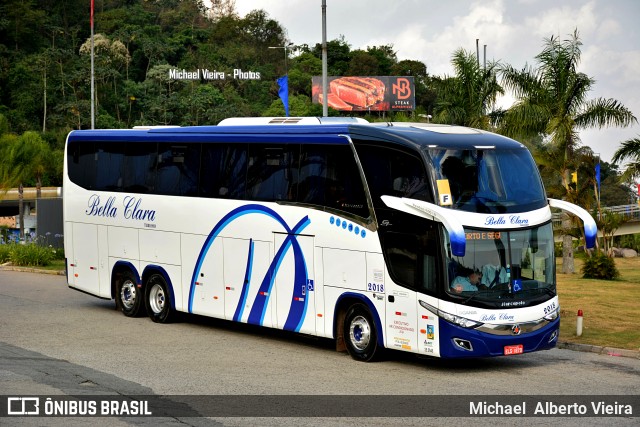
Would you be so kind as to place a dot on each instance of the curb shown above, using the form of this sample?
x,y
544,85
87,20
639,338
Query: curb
x,y
586,348
32,270
605,351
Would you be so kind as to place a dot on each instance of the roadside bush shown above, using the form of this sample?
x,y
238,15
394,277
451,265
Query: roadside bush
x,y
631,241
600,266
30,255
5,253
58,253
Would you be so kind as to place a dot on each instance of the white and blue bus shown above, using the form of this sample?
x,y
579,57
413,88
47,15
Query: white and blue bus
x,y
429,239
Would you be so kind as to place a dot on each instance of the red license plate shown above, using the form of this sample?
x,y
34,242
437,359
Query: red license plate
x,y
513,349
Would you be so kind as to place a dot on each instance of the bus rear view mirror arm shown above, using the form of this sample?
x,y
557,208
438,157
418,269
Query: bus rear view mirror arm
x,y
434,213
590,228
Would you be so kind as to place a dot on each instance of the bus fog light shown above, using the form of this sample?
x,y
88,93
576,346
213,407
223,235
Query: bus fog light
x,y
463,344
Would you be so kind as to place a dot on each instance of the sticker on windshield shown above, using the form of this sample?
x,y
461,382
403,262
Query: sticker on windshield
x,y
445,192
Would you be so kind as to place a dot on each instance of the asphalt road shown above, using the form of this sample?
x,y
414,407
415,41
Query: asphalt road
x,y
57,341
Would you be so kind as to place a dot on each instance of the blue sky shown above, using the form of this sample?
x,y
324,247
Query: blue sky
x,y
513,30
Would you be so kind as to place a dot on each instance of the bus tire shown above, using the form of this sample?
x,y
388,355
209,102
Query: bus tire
x,y
129,295
158,299
360,334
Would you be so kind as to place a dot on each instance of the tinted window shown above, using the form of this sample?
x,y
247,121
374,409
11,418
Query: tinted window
x,y
393,172
322,175
81,164
223,171
411,258
139,170
109,162
329,176
272,172
178,169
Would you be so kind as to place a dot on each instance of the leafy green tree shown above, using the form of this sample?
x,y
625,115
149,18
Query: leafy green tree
x,y
363,64
25,95
111,57
338,56
303,68
469,97
613,192
552,101
221,8
386,58
160,100
425,93
608,223
26,158
299,105
4,125
629,151
375,61
204,105
23,20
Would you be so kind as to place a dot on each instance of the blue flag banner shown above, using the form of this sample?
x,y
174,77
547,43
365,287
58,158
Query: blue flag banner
x,y
598,177
283,92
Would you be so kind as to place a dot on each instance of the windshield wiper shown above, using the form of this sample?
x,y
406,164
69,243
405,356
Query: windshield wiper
x,y
468,299
548,291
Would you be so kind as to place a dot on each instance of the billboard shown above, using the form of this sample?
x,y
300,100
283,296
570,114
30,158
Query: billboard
x,y
355,93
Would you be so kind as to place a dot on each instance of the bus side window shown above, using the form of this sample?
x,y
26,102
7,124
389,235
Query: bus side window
x,y
401,252
272,172
109,163
82,164
140,167
393,172
223,171
329,176
178,169
411,258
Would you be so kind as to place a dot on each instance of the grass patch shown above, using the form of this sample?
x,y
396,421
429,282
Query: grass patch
x,y
609,306
55,265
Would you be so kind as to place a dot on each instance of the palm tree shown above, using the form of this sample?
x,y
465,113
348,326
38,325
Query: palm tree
x,y
630,150
26,158
552,101
468,98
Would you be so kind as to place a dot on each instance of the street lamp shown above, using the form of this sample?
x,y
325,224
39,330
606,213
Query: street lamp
x,y
283,82
285,47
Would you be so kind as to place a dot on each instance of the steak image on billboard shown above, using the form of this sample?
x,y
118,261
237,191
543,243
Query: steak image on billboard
x,y
357,93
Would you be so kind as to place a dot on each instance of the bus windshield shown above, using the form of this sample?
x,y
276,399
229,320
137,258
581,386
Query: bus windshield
x,y
501,267
487,180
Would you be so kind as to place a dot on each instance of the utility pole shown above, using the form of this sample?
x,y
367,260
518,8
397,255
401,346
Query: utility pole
x,y
93,92
325,104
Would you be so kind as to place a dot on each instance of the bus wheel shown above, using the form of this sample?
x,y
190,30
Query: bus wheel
x,y
129,296
158,299
360,334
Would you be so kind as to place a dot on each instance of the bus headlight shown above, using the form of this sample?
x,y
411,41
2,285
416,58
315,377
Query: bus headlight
x,y
452,318
553,315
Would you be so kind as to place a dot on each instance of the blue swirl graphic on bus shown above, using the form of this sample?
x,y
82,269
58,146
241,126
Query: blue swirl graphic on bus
x,y
299,301
245,284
